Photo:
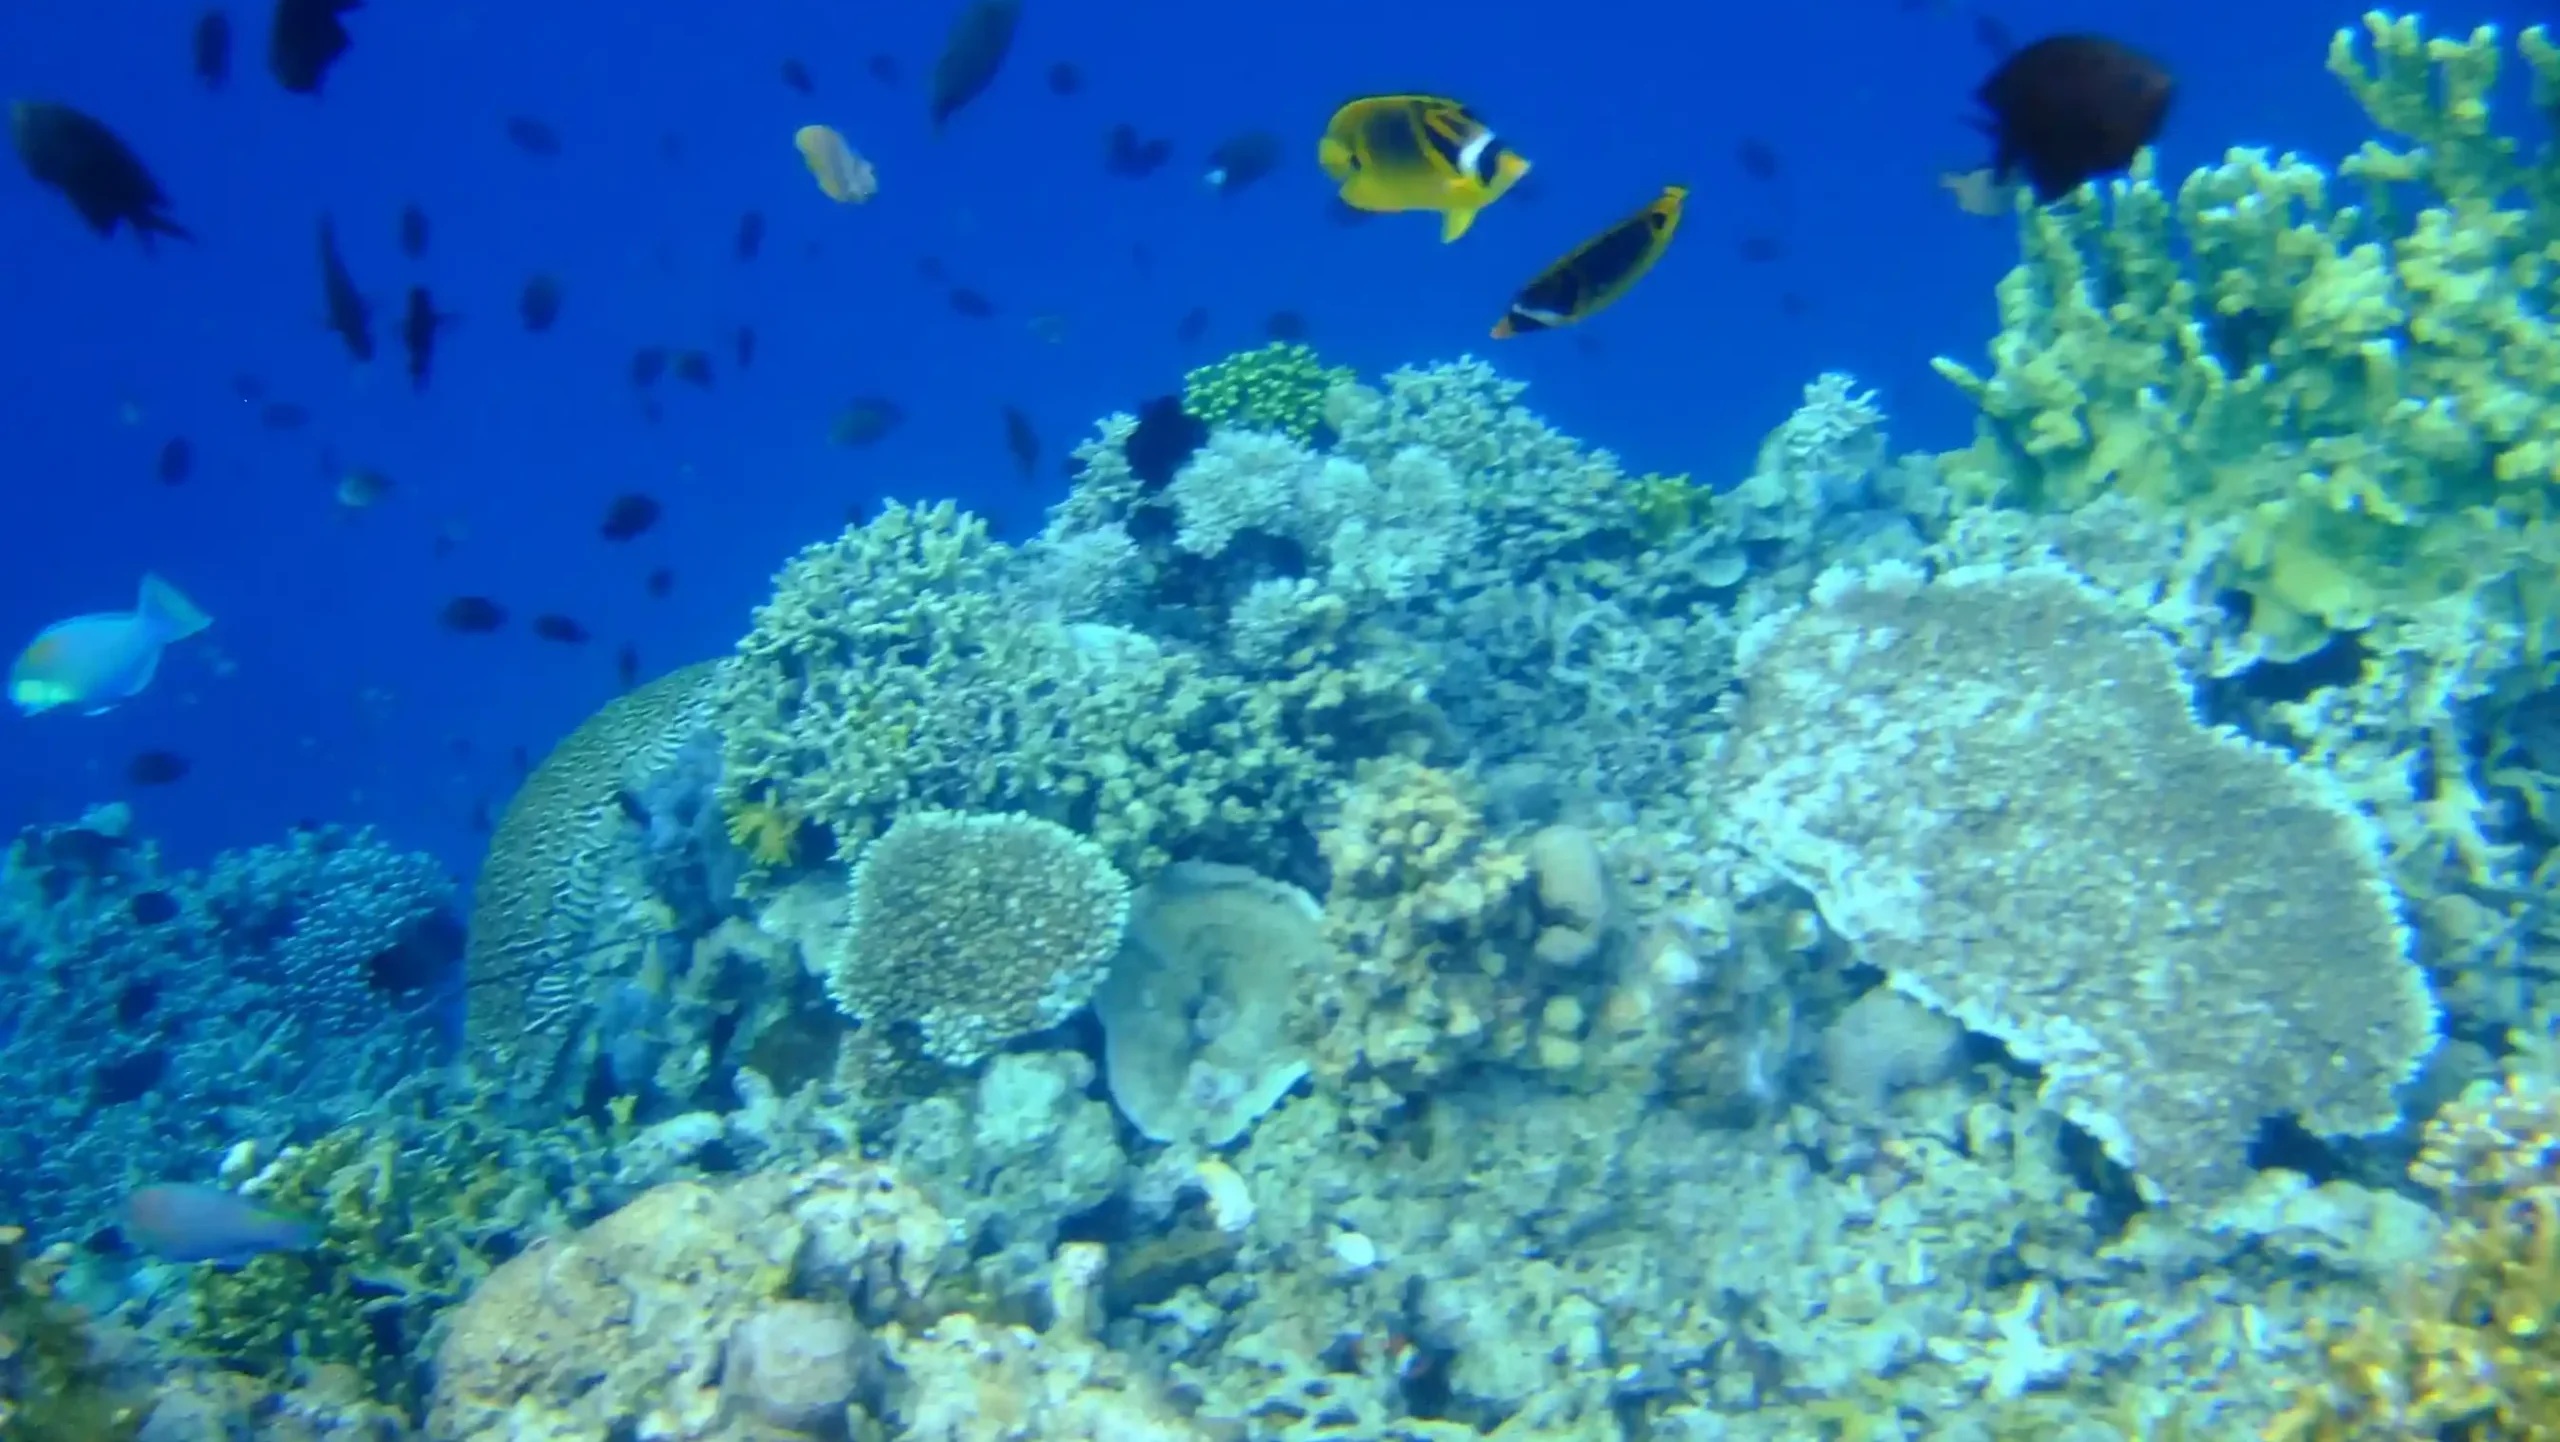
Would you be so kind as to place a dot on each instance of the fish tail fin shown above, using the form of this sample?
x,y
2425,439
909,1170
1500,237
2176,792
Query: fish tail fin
x,y
167,610
150,225
1454,222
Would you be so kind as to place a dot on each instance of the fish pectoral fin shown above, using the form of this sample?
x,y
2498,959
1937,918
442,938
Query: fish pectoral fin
x,y
1454,222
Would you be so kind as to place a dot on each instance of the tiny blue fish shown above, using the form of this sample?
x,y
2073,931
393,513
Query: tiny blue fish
x,y
188,1222
92,662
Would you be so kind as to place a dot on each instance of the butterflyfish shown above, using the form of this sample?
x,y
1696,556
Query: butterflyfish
x,y
845,176
1393,153
92,662
1596,272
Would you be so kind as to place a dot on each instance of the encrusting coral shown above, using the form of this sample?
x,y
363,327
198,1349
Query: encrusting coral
x,y
1994,784
1280,387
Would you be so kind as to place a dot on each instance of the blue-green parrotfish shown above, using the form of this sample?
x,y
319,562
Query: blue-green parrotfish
x,y
90,663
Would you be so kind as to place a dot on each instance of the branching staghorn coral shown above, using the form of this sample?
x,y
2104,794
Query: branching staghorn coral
x,y
1994,784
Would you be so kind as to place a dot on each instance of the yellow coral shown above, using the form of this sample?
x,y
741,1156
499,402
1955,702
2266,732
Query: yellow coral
x,y
767,831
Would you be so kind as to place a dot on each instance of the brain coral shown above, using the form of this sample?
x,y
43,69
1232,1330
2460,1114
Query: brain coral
x,y
539,912
1995,785
974,929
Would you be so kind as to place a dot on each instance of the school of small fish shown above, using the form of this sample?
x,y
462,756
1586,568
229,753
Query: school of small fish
x,y
2057,112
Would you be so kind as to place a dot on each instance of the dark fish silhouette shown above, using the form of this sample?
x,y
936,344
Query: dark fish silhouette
x,y
348,313
883,68
156,768
539,303
971,303
304,39
94,169
419,324
796,75
744,344
533,137
864,420
1022,441
1065,79
472,615
629,517
552,626
1166,437
972,55
1757,157
177,461
211,45
1193,325
661,583
1285,325
1131,156
1761,249
1242,160
284,416
648,363
626,665
413,231
750,234
693,367
2070,108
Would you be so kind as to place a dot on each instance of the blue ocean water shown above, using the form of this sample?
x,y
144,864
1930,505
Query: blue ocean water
x,y
326,690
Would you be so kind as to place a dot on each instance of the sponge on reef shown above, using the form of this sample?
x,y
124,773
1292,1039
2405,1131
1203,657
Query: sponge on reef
x,y
1995,786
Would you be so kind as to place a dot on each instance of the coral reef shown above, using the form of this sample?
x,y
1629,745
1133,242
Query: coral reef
x,y
324,959
54,1385
2357,390
1994,784
970,930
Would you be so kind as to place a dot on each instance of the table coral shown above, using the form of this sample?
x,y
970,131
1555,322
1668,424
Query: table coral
x,y
1994,784
2361,392
974,929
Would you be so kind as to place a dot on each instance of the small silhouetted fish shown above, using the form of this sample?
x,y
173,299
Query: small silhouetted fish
x,y
1127,154
647,364
212,46
284,416
1193,325
626,665
630,516
248,387
750,234
413,231
552,626
1065,78
177,460
539,303
930,270
970,303
152,908
362,488
2069,108
419,325
186,1222
743,344
1761,249
796,75
472,615
864,420
306,38
882,67
348,313
971,56
1285,325
1242,160
156,768
693,367
1166,436
1757,157
1792,305
1022,440
661,583
94,169
479,819
533,137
